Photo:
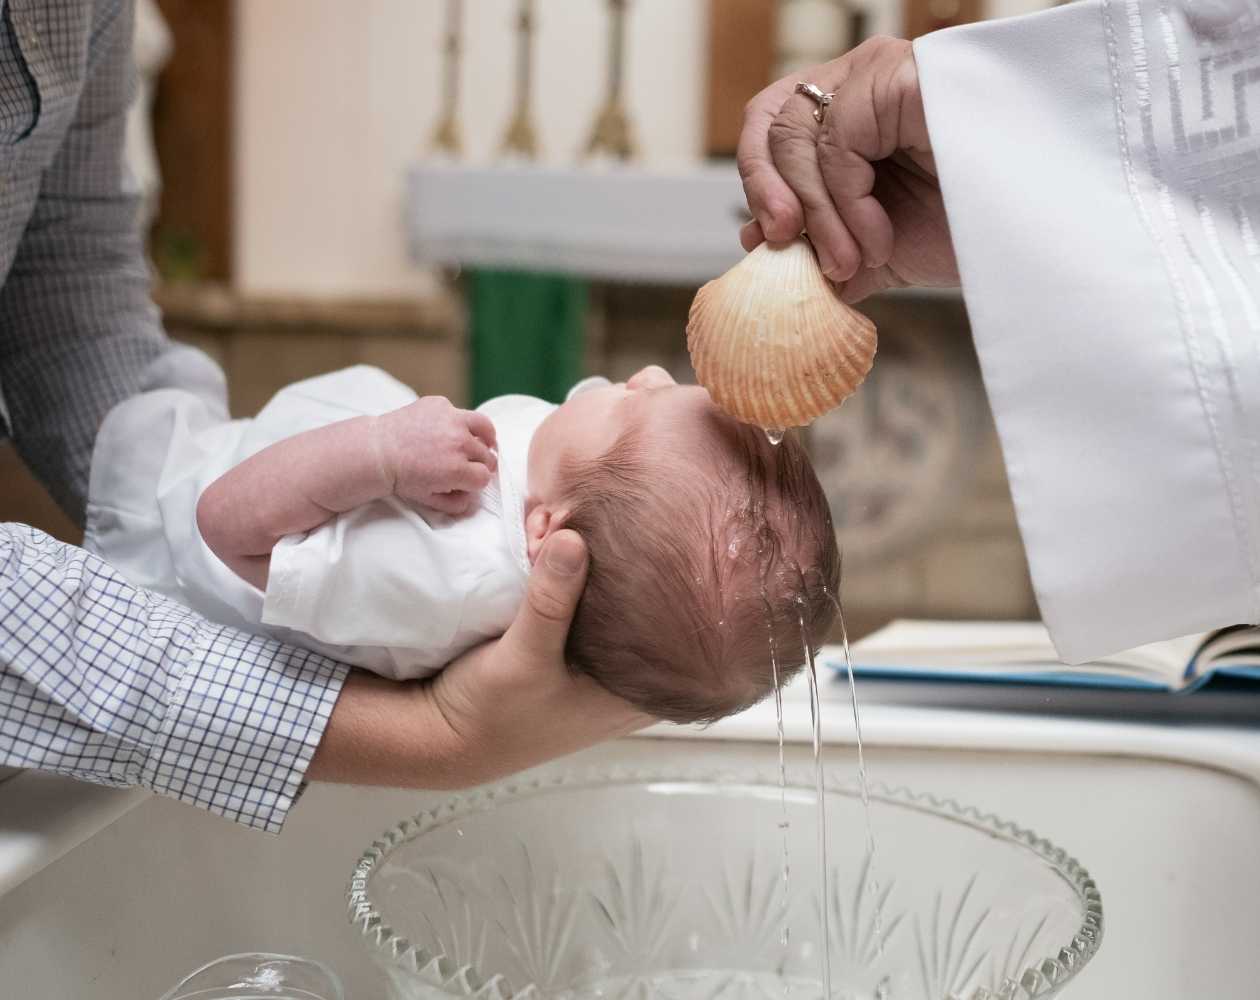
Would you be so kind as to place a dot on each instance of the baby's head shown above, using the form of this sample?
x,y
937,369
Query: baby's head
x,y
709,546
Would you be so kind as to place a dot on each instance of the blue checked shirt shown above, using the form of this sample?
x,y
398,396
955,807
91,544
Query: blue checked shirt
x,y
100,680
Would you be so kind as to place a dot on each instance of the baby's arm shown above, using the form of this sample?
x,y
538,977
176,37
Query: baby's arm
x,y
428,453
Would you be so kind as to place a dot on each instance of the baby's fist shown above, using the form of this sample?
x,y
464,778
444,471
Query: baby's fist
x,y
436,455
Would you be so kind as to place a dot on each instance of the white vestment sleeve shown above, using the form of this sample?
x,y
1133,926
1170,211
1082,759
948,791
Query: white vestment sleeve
x,y
1101,170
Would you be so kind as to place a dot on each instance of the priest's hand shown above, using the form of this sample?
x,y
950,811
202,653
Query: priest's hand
x,y
862,183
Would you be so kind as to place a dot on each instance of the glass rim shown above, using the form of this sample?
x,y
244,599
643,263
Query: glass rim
x,y
263,956
1040,977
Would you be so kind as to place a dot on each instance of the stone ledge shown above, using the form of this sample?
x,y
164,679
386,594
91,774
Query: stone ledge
x,y
212,307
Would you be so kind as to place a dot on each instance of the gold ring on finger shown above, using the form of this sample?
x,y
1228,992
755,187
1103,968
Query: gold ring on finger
x,y
818,96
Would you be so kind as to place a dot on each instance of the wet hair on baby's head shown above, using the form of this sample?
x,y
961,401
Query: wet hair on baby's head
x,y
705,562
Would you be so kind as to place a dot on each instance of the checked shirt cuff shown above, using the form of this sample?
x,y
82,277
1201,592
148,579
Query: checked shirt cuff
x,y
242,727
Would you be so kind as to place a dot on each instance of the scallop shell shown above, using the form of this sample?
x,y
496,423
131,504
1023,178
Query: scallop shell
x,y
772,341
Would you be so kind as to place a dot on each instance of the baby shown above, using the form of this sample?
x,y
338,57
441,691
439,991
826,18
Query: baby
x,y
397,532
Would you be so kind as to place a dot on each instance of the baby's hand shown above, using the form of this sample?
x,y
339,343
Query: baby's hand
x,y
437,456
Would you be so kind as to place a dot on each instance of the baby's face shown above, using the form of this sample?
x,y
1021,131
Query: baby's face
x,y
590,423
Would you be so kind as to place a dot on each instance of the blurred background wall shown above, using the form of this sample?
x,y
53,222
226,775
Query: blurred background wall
x,y
284,131
336,100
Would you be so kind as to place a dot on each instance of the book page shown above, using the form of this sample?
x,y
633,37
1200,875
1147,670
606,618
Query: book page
x,y
1228,648
1009,648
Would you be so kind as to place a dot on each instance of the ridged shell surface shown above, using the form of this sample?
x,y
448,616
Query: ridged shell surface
x,y
772,341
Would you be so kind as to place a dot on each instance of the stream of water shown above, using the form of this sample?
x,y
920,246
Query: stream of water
x,y
783,815
815,716
863,784
775,436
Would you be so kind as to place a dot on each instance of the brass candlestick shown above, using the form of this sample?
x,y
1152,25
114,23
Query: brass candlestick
x,y
613,133
446,136
521,139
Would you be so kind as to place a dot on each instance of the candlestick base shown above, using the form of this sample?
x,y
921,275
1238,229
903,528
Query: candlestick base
x,y
520,139
613,134
446,137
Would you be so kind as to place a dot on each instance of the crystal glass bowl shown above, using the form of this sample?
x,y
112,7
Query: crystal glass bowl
x,y
658,885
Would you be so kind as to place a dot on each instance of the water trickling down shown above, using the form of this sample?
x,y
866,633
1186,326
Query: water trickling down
x,y
783,815
757,516
784,826
815,715
863,785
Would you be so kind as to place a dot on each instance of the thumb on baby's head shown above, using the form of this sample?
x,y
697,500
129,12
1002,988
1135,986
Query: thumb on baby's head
x,y
542,625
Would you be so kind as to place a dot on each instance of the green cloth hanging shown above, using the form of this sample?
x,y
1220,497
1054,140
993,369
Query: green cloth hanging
x,y
527,334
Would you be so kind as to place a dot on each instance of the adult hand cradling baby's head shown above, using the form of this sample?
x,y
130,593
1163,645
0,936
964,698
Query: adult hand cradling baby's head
x,y
513,702
507,705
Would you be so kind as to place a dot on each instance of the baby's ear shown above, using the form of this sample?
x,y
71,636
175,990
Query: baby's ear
x,y
541,521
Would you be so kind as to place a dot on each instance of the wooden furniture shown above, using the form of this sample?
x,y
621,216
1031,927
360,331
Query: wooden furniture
x,y
741,62
923,16
192,129
265,343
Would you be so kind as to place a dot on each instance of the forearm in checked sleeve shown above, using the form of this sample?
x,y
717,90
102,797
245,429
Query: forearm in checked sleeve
x,y
115,685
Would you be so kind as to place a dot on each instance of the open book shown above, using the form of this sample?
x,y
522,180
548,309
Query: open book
x,y
1022,652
